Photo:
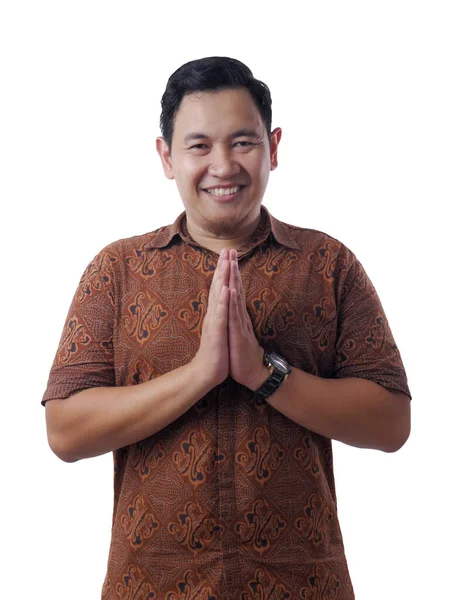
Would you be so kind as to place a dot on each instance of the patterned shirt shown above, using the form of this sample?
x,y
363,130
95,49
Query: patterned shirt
x,y
233,500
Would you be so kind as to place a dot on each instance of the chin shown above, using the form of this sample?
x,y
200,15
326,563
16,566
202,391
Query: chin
x,y
223,227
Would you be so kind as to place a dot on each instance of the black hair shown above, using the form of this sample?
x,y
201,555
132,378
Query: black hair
x,y
211,74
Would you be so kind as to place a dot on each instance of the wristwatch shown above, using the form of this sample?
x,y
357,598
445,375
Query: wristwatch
x,y
279,371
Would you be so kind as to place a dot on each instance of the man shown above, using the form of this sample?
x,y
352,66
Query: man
x,y
217,357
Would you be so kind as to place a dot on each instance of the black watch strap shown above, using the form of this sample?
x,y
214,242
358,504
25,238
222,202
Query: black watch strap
x,y
272,383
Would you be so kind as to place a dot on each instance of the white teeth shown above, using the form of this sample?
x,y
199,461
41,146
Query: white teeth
x,y
223,191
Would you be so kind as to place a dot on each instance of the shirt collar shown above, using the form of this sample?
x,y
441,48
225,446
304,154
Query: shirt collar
x,y
282,232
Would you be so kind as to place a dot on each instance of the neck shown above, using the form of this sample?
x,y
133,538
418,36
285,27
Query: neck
x,y
222,237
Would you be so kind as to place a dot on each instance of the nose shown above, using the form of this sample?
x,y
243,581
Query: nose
x,y
223,164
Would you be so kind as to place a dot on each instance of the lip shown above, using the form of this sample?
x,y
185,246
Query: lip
x,y
228,197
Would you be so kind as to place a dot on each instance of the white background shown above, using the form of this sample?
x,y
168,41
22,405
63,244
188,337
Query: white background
x,y
361,91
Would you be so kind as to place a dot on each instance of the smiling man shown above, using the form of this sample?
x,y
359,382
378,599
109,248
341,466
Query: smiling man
x,y
221,167
217,358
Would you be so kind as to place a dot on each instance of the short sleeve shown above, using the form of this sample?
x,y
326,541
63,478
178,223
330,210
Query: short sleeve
x,y
365,346
85,355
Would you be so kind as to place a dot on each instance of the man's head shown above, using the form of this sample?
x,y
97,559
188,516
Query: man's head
x,y
215,121
211,74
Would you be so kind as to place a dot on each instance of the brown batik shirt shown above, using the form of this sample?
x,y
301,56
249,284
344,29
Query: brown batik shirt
x,y
233,500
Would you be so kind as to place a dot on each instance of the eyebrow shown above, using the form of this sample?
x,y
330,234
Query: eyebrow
x,y
239,133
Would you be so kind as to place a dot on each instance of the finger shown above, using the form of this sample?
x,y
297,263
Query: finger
x,y
219,262
221,278
223,254
222,308
223,259
235,318
240,295
233,285
233,275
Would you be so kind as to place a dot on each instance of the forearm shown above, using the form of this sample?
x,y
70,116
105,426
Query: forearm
x,y
98,420
354,411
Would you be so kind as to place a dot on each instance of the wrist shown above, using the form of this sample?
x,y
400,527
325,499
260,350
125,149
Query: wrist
x,y
202,377
259,378
260,374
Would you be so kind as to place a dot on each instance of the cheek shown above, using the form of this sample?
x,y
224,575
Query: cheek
x,y
259,168
189,174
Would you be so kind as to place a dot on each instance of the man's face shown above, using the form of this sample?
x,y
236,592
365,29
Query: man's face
x,y
220,142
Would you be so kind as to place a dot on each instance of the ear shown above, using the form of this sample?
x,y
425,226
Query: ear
x,y
162,147
274,141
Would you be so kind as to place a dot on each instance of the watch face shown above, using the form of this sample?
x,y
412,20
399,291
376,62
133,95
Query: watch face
x,y
279,363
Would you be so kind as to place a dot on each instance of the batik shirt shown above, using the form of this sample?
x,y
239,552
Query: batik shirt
x,y
232,500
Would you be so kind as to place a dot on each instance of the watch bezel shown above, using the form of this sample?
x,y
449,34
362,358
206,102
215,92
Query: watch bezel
x,y
279,363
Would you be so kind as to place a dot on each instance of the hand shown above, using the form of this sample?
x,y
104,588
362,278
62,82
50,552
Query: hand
x,y
246,355
212,358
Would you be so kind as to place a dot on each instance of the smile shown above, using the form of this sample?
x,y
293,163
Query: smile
x,y
224,191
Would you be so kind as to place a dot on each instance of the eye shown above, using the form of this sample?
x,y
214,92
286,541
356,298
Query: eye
x,y
200,146
246,143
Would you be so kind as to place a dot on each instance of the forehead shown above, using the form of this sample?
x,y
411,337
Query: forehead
x,y
216,113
